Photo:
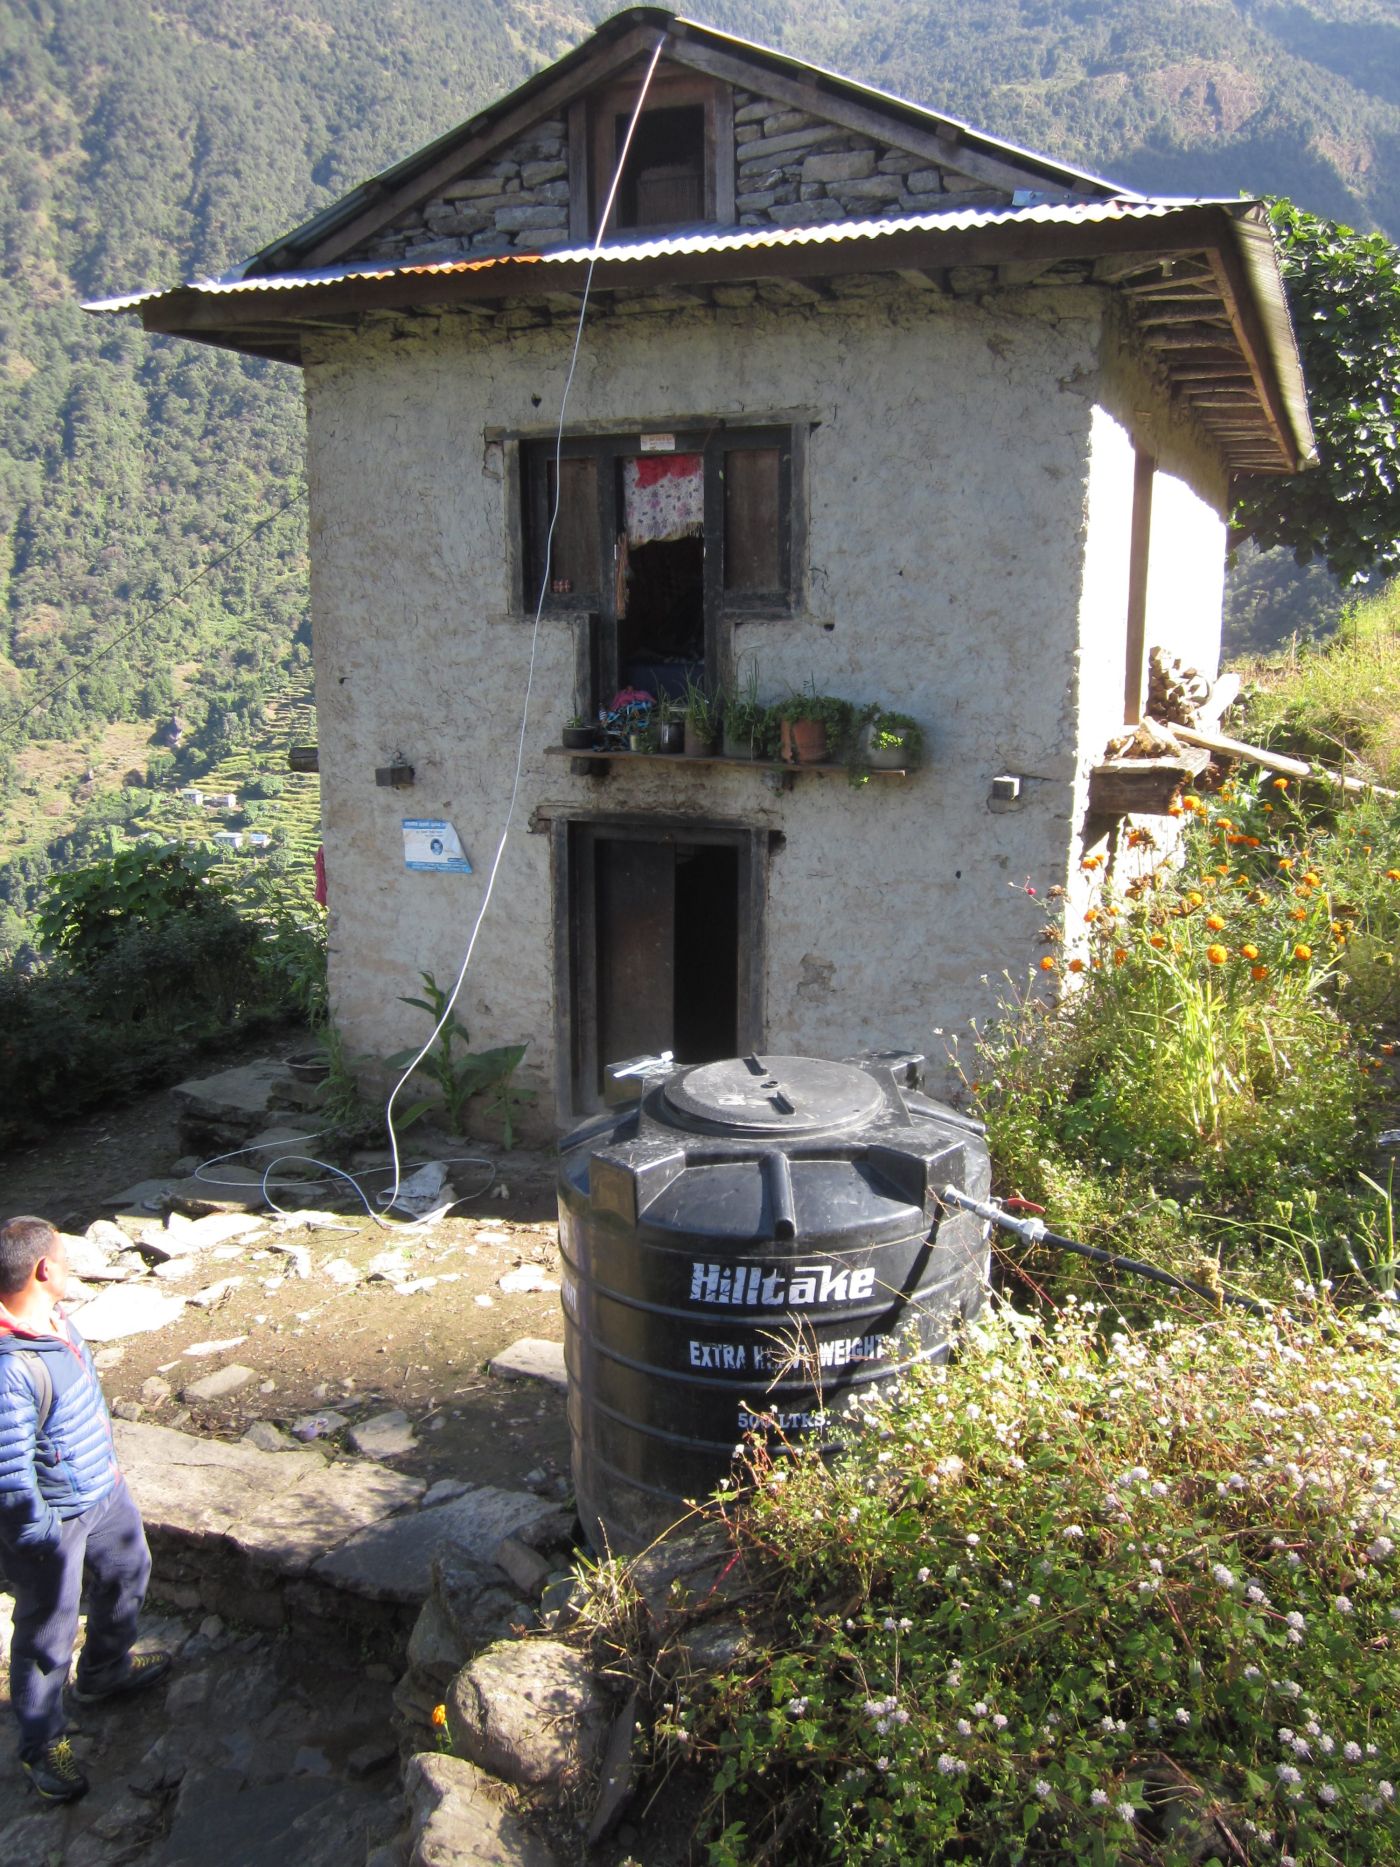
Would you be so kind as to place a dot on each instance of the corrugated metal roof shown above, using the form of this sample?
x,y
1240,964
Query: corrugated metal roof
x,y
747,239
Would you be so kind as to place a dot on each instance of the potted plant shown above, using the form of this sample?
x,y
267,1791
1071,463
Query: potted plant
x,y
886,741
814,727
745,721
579,733
701,720
670,725
642,739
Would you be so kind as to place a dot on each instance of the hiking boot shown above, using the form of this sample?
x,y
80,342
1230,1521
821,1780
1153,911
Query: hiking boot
x,y
142,1670
54,1773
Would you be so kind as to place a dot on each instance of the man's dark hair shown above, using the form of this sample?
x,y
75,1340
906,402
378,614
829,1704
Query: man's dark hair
x,y
23,1241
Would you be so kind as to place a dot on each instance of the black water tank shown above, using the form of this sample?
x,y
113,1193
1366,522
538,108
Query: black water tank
x,y
755,1237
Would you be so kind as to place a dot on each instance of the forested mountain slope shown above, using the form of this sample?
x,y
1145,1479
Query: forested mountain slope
x,y
141,142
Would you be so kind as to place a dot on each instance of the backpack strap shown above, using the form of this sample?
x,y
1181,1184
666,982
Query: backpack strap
x,y
43,1383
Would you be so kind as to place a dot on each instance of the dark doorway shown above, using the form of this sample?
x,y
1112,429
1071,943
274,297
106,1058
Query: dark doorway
x,y
664,943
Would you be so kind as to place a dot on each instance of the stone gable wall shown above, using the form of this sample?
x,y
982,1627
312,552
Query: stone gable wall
x,y
517,201
791,170
797,170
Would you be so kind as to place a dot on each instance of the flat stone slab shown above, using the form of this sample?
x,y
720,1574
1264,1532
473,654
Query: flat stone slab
x,y
231,1095
393,1561
283,1509
128,1309
386,1436
532,1359
222,1381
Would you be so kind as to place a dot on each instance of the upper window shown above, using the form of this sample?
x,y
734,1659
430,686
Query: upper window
x,y
679,170
661,539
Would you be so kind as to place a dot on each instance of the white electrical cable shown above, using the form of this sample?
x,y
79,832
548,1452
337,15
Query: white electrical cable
x,y
389,1200
593,256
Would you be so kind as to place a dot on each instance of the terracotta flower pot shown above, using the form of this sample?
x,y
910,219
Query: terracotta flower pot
x,y
804,742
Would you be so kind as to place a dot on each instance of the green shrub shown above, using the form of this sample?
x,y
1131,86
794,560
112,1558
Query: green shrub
x,y
1078,1597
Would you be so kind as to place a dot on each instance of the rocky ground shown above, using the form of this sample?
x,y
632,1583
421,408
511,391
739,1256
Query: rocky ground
x,y
324,1341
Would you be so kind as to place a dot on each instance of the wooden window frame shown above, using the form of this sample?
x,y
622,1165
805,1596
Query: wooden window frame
x,y
597,671
593,147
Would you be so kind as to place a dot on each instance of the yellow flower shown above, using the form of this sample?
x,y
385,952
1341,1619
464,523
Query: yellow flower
x,y
1249,952
1302,950
439,1716
1215,922
1312,878
1217,955
1392,875
1285,862
1194,898
1224,823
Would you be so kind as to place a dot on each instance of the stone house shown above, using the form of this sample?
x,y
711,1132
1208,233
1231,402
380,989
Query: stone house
x,y
864,401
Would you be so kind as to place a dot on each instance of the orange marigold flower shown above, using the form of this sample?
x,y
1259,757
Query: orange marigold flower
x,y
1302,950
1224,823
1387,1050
1215,922
1158,941
1047,964
1217,955
1249,951
439,1716
1392,875
1312,878
1285,862
1090,916
1194,898
1120,954
1092,862
1267,807
1076,965
1297,914
1174,809
1193,804
1280,784
1258,972
1253,841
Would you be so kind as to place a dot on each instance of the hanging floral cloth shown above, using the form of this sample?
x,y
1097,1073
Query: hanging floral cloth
x,y
663,497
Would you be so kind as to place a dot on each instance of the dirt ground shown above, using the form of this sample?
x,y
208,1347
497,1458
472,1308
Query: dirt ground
x,y
314,1344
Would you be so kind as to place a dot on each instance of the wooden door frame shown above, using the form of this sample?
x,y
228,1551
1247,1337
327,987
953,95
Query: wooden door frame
x,y
575,930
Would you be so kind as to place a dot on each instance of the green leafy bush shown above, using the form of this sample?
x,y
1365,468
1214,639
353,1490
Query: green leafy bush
x,y
1079,1597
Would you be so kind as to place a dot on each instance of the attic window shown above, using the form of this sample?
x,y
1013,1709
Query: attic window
x,y
663,184
680,167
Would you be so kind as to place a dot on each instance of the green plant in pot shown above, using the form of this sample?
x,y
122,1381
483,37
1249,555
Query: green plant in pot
x,y
745,720
670,724
884,740
701,719
580,733
813,727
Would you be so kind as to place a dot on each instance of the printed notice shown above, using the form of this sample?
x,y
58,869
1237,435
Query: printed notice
x,y
432,843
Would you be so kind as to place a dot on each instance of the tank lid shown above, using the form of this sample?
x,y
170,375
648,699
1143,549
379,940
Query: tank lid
x,y
773,1096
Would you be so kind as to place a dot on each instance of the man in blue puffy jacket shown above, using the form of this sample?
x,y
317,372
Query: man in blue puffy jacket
x,y
66,1515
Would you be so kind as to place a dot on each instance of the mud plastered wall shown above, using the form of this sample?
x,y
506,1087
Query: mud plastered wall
x,y
948,463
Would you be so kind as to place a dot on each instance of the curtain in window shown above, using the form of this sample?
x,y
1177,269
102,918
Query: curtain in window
x,y
663,497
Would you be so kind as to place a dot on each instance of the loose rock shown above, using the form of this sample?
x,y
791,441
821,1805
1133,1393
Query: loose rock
x,y
222,1381
531,1712
458,1818
532,1359
128,1309
386,1436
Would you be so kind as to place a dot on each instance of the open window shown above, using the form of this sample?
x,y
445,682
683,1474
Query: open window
x,y
680,168
661,539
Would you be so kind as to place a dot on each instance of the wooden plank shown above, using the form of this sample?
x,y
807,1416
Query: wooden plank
x,y
1274,761
1139,552
580,192
752,521
719,124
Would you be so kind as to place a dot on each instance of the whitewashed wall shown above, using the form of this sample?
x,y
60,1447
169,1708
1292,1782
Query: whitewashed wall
x,y
964,564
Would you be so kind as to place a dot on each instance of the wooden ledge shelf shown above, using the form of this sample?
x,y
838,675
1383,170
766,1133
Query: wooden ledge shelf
x,y
777,776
